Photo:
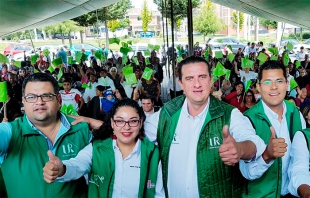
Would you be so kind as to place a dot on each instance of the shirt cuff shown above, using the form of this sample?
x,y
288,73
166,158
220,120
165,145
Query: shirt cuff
x,y
69,172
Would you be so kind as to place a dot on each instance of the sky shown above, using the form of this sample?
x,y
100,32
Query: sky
x,y
139,3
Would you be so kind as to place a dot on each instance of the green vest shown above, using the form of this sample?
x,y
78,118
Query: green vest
x,y
27,155
103,153
2,186
215,179
306,133
269,184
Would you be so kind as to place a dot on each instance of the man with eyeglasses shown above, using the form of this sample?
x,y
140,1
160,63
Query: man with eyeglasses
x,y
283,119
25,141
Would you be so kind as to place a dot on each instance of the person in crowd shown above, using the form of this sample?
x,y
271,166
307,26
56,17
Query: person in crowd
x,y
63,55
300,56
104,80
283,119
170,87
120,93
22,75
306,115
120,160
94,106
16,87
293,71
154,60
4,72
305,64
197,49
301,100
249,99
152,87
245,74
26,140
71,96
115,77
148,105
235,97
108,101
303,79
90,90
13,109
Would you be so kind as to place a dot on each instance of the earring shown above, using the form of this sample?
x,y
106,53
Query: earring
x,y
113,136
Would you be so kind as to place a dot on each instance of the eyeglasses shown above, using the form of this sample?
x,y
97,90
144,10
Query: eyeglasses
x,y
31,98
277,82
249,95
122,123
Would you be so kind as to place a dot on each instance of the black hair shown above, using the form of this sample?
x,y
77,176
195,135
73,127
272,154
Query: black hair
x,y
236,84
253,96
105,131
67,79
192,59
100,88
122,92
271,65
305,112
148,97
41,77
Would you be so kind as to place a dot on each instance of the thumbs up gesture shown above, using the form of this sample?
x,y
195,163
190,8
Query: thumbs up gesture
x,y
53,168
229,150
276,147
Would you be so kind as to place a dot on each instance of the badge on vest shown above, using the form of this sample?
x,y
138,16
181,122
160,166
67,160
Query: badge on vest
x,y
150,184
214,142
97,179
69,149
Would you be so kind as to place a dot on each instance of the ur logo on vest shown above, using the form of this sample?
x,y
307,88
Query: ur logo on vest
x,y
214,142
69,149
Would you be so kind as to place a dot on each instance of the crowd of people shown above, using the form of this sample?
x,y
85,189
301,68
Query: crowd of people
x,y
214,138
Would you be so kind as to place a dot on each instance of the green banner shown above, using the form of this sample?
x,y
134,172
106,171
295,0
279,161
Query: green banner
x,y
125,50
131,79
147,73
3,92
70,60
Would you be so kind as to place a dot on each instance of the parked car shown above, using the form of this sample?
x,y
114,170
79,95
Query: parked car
x,y
139,47
146,34
87,47
13,49
305,44
221,42
59,36
284,42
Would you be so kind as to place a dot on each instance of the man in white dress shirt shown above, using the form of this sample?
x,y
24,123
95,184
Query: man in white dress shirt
x,y
272,167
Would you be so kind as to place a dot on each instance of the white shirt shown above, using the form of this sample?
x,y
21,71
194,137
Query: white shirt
x,y
300,56
127,171
182,167
170,84
106,82
299,166
258,167
248,76
68,98
251,50
90,92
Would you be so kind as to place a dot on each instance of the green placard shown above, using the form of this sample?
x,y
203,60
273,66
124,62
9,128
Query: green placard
x,y
247,85
179,59
150,46
219,70
156,47
70,60
274,58
34,59
286,59
135,60
46,52
131,79
289,46
51,69
293,84
147,61
227,75
78,57
218,54
297,64
125,50
206,55
3,59
89,85
147,73
274,50
17,64
127,70
35,71
57,61
147,53
245,63
3,92
129,42
124,60
98,55
231,57
114,40
262,57
60,84
60,73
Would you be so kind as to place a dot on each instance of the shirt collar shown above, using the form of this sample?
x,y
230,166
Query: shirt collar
x,y
202,115
136,150
272,114
148,114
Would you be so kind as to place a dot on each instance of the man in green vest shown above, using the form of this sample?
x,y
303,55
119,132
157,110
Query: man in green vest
x,y
269,173
25,141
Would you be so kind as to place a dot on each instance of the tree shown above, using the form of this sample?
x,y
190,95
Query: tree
x,y
113,25
235,19
206,21
179,9
85,20
146,16
268,23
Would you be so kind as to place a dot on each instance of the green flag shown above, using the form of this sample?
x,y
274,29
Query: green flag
x,y
114,40
60,73
227,75
78,57
293,84
84,85
247,85
135,60
124,45
129,42
231,57
245,63
262,57
179,59
147,53
297,64
3,92
63,109
147,61
147,73
131,79
98,55
124,60
274,50
127,70
17,64
219,70
274,58
51,69
218,54
34,59
286,59
125,50
206,55
71,110
289,46
230,48
46,52
57,61
3,59
70,60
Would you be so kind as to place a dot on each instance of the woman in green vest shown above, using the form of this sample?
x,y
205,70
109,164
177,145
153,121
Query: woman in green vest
x,y
120,161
